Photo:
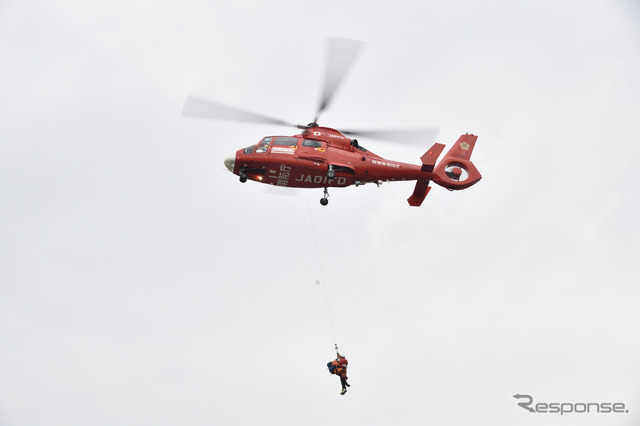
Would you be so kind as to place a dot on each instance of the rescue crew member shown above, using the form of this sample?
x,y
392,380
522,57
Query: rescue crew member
x,y
339,368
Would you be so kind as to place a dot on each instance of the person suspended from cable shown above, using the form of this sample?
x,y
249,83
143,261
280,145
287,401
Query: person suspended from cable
x,y
339,367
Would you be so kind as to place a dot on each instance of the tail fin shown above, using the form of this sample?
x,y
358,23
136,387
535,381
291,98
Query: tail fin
x,y
430,157
463,148
422,186
456,171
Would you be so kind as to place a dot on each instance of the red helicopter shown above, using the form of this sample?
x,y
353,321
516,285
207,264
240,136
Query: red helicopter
x,y
322,157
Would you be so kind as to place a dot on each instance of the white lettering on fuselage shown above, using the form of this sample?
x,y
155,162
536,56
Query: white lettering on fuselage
x,y
284,175
385,163
282,150
329,135
317,179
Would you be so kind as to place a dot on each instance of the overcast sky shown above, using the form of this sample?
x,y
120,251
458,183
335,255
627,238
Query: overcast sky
x,y
141,283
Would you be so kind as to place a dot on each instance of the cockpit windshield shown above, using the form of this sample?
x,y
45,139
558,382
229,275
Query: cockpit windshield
x,y
264,144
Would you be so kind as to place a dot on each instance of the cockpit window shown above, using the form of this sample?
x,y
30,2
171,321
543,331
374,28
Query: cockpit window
x,y
285,141
249,150
266,141
311,143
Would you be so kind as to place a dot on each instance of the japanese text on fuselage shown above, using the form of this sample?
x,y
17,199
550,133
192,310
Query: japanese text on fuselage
x,y
385,163
283,177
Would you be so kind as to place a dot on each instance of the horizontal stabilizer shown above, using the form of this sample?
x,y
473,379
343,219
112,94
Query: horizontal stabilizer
x,y
430,157
419,193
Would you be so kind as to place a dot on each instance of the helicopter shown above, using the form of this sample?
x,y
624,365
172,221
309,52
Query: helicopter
x,y
324,157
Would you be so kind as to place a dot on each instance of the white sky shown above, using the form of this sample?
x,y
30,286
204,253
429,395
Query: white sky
x,y
141,283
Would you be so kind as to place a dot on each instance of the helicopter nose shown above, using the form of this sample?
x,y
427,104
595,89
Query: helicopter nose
x,y
230,161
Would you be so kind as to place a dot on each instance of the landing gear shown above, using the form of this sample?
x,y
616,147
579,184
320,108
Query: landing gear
x,y
330,173
325,199
243,177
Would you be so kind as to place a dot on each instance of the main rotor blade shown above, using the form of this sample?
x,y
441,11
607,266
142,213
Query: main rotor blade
x,y
341,53
195,107
420,137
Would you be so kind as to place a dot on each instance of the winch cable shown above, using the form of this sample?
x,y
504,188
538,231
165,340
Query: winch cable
x,y
322,279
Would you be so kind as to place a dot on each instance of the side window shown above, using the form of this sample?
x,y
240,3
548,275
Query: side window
x,y
312,144
285,141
